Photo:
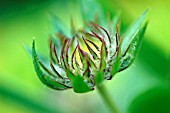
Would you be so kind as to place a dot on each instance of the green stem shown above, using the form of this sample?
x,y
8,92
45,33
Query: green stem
x,y
103,92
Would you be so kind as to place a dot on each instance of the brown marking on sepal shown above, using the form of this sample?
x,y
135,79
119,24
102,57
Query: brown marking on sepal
x,y
61,37
67,48
110,77
105,32
45,68
90,49
96,35
53,68
55,53
97,48
72,57
51,52
87,70
62,53
95,26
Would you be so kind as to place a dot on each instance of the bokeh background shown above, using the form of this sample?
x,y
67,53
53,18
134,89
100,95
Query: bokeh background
x,y
142,88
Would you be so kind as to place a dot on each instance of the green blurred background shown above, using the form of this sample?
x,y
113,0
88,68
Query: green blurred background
x,y
142,88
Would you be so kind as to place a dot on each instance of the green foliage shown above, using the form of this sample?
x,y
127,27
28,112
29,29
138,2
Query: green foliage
x,y
156,100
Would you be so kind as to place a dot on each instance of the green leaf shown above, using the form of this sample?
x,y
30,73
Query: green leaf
x,y
47,80
133,29
99,78
134,48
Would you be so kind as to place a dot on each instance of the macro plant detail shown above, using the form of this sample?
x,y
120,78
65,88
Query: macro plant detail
x,y
107,54
66,72
90,55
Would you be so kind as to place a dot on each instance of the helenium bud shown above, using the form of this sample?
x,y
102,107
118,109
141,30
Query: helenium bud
x,y
88,57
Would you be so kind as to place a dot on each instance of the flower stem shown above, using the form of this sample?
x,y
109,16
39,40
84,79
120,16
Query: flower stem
x,y
103,93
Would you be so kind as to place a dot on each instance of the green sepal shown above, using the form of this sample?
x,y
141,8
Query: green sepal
x,y
70,75
86,74
116,65
103,57
133,49
99,77
44,78
57,44
79,86
90,50
40,56
132,31
54,84
83,58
